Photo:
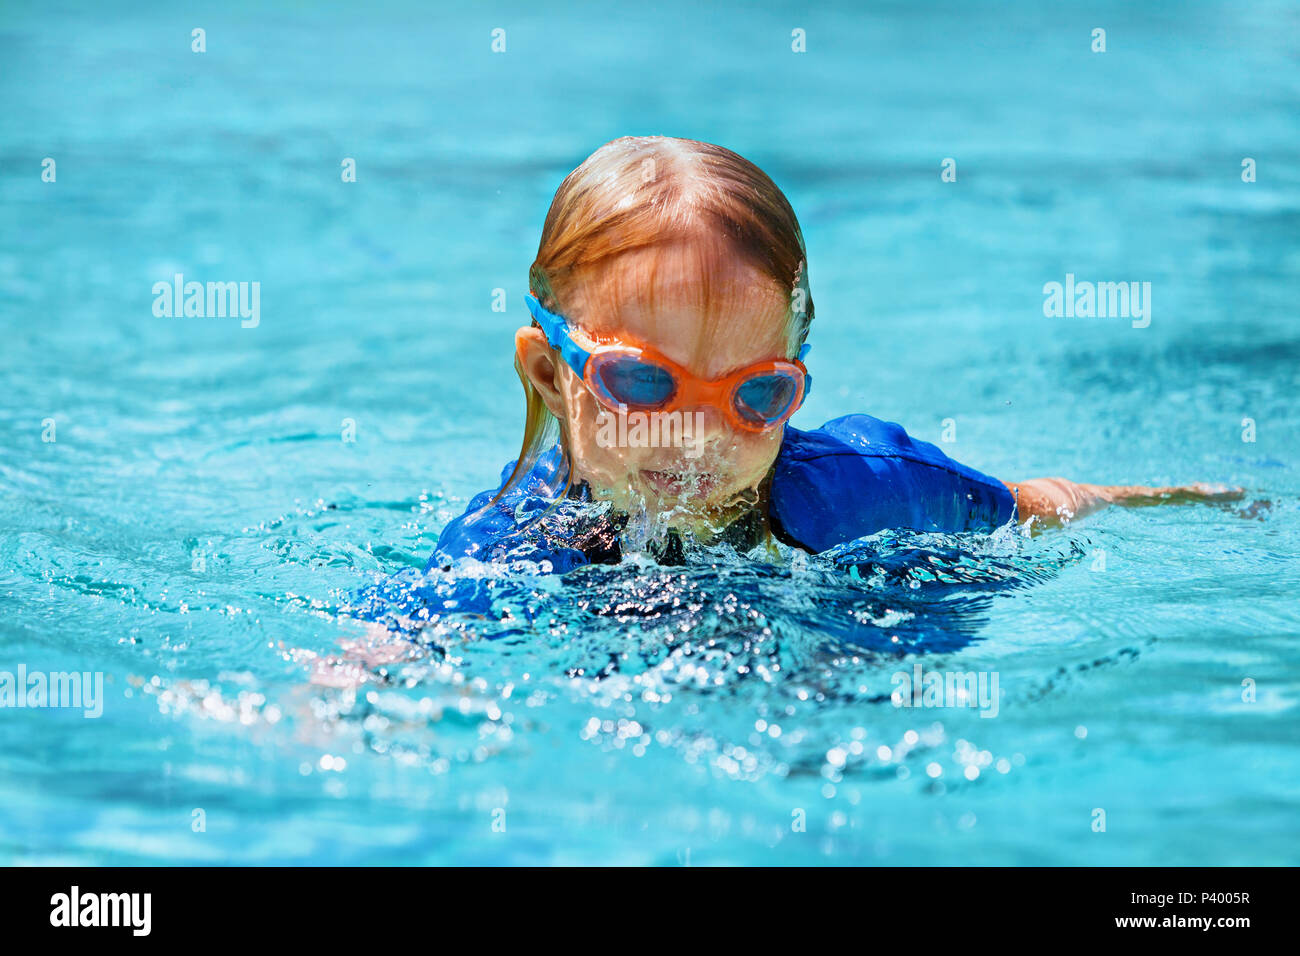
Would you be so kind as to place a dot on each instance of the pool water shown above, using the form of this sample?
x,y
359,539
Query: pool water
x,y
200,521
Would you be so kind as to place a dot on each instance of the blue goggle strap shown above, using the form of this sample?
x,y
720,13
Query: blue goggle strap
x,y
557,335
807,377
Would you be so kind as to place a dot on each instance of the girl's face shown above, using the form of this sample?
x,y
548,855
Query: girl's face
x,y
697,304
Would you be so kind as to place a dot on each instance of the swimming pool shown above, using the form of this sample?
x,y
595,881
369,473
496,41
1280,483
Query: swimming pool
x,y
182,512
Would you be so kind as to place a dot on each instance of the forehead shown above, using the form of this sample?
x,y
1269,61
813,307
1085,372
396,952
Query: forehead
x,y
694,300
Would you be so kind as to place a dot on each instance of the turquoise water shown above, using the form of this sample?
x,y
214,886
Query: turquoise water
x,y
198,522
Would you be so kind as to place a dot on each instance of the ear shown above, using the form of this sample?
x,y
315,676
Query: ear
x,y
542,366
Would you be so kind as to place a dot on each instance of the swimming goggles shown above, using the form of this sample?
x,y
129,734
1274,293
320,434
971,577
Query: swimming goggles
x,y
756,399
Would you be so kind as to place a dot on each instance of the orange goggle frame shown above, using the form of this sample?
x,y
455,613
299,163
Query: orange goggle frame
x,y
758,398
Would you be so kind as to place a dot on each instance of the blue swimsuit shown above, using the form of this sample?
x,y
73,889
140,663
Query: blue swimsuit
x,y
852,477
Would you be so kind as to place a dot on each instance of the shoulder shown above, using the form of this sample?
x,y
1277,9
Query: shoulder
x,y
493,524
847,435
857,475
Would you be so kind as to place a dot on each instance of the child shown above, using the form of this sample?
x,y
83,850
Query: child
x,y
671,308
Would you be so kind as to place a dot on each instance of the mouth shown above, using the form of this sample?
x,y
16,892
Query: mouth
x,y
680,484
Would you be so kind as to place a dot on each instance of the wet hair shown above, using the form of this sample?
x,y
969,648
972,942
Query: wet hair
x,y
640,191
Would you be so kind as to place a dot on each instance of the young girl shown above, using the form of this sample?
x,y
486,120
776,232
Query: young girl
x,y
671,308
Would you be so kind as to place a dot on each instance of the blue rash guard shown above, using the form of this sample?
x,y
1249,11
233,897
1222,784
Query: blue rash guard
x,y
850,478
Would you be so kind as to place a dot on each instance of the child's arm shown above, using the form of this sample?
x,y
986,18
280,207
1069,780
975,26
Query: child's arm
x,y
1053,499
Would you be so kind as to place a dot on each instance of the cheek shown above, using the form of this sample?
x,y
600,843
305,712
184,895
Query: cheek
x,y
752,454
580,407
594,459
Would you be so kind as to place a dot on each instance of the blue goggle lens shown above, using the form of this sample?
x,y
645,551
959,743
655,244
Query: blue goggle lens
x,y
634,383
766,398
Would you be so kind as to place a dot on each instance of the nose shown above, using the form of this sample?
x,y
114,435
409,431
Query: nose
x,y
710,419
706,430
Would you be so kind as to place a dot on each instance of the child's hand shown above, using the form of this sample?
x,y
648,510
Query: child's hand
x,y
1143,495
1057,500
360,657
